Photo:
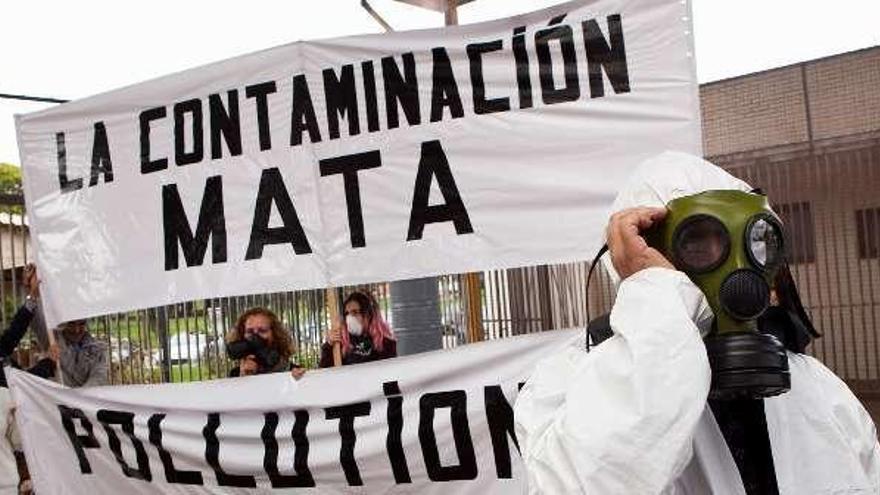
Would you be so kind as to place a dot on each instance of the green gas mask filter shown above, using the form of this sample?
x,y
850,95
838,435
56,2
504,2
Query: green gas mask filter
x,y
730,244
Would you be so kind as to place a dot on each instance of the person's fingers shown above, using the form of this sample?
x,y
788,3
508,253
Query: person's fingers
x,y
629,249
642,218
630,221
623,231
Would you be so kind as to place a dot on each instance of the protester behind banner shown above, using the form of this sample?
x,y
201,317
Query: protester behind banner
x,y
362,332
82,358
261,344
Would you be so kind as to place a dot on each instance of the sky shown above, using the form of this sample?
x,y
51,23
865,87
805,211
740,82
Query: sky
x,y
72,49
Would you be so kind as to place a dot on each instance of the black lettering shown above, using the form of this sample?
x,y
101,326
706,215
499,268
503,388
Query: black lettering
x,y
126,420
523,78
101,162
303,477
475,53
149,165
403,89
346,415
65,183
181,156
433,163
225,123
601,56
393,442
172,475
260,92
348,166
79,442
572,90
272,191
499,416
456,400
444,90
212,456
341,98
371,101
302,114
211,223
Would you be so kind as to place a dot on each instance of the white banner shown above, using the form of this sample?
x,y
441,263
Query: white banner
x,y
440,422
357,159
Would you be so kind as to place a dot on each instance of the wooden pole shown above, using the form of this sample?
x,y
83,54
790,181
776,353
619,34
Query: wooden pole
x,y
474,307
332,303
451,12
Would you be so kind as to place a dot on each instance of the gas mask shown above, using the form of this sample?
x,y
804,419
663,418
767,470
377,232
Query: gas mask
x,y
730,244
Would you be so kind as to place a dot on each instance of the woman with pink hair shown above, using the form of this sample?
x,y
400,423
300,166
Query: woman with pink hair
x,y
364,335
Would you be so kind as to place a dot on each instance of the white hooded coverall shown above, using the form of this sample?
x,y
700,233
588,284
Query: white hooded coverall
x,y
631,416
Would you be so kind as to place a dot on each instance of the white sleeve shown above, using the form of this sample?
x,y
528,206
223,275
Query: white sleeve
x,y
855,420
620,419
823,439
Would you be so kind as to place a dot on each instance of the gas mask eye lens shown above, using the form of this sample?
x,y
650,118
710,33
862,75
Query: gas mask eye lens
x,y
764,242
700,244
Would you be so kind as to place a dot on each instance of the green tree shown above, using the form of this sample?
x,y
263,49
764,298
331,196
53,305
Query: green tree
x,y
10,184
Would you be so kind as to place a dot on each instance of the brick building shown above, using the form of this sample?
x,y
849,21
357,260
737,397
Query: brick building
x,y
809,135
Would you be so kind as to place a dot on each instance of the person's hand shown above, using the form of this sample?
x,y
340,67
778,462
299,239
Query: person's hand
x,y
55,352
334,335
297,372
248,366
31,282
629,251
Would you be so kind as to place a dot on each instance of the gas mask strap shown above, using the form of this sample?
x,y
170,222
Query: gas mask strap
x,y
790,299
789,321
595,261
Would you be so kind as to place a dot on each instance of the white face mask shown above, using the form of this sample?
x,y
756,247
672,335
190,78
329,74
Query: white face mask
x,y
354,325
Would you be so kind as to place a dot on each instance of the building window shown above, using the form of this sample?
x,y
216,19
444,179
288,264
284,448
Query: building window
x,y
800,232
868,231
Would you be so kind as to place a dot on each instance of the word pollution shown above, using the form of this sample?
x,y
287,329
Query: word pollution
x,y
499,417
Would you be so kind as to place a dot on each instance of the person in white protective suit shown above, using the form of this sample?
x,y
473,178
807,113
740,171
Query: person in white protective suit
x,y
632,416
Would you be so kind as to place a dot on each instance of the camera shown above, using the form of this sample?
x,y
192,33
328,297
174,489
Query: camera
x,y
266,357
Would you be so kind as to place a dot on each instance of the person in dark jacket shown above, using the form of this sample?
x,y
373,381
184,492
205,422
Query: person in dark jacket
x,y
10,339
363,334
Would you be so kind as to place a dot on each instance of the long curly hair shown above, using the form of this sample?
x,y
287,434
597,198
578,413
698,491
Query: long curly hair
x,y
376,326
281,340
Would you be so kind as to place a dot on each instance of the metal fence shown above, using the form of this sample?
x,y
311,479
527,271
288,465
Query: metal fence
x,y
829,199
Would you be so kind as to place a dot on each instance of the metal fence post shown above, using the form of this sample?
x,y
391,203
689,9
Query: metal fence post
x,y
416,314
